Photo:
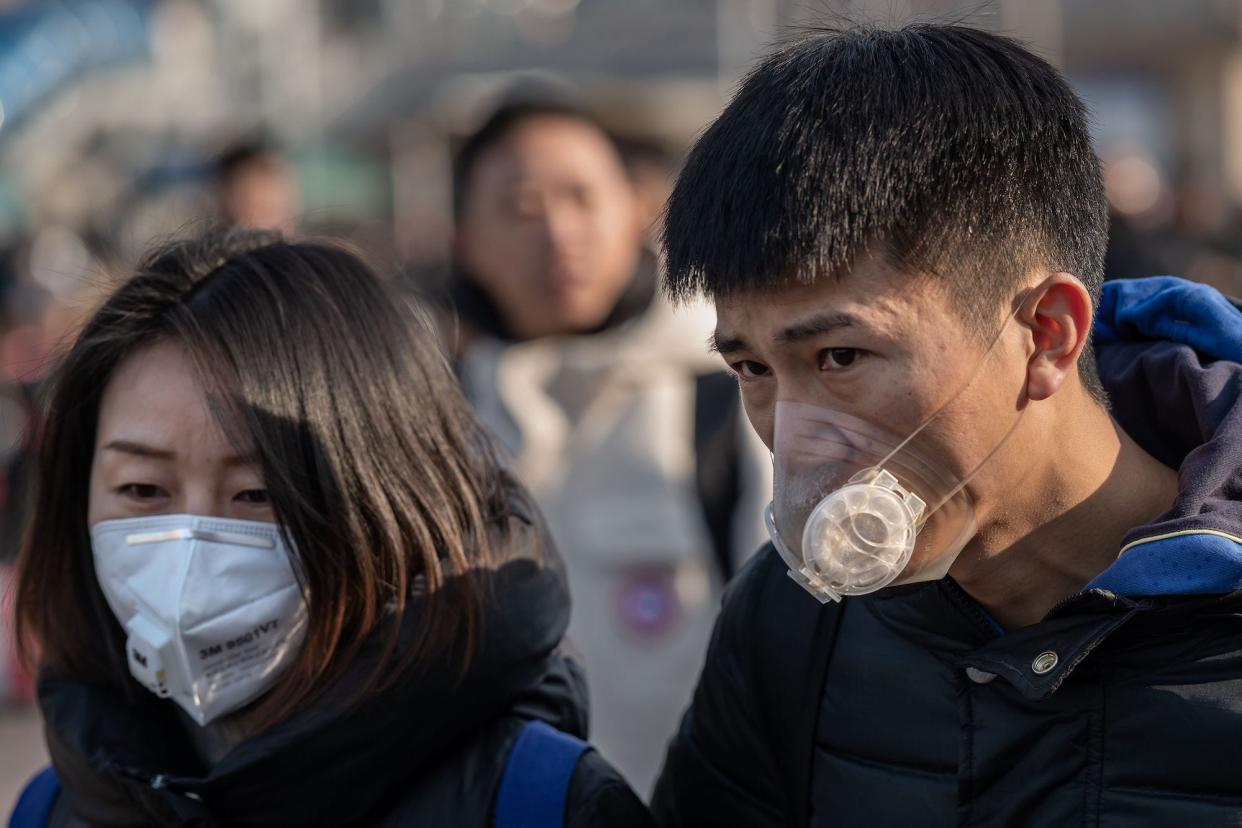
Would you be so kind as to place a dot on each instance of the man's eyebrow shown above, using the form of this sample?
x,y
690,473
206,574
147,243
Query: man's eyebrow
x,y
722,343
816,326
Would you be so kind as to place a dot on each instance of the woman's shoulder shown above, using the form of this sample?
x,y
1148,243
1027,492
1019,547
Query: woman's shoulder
x,y
465,788
555,778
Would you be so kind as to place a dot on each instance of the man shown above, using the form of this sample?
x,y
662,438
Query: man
x,y
631,439
257,188
903,232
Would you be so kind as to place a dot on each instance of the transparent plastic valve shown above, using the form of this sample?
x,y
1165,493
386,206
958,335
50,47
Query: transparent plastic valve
x,y
869,525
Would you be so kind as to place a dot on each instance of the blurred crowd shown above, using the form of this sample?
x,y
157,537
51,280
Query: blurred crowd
x,y
528,223
603,398
1181,223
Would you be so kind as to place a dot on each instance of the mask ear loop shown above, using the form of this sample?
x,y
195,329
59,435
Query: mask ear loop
x,y
932,508
791,560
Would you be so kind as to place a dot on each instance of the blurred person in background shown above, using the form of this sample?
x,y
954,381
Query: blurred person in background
x,y
19,347
256,187
274,574
1192,228
626,432
40,291
652,172
1137,199
1206,234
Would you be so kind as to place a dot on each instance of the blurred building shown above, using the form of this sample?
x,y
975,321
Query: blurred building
x,y
114,108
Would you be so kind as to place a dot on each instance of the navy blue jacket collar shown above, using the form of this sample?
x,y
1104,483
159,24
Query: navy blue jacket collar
x,y
1170,356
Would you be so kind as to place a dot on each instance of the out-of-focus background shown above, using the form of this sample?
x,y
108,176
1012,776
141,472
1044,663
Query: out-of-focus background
x,y
125,121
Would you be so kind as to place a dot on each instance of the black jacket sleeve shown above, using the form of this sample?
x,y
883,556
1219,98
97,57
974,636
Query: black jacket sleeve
x,y
719,769
600,798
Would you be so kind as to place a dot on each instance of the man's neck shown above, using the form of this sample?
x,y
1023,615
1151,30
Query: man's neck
x,y
1039,550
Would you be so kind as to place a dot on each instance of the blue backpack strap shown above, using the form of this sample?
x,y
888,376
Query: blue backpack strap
x,y
536,781
34,806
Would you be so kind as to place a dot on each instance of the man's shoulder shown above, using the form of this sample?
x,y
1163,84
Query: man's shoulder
x,y
738,756
766,617
757,586
763,585
599,796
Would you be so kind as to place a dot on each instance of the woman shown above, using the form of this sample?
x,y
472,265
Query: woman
x,y
274,575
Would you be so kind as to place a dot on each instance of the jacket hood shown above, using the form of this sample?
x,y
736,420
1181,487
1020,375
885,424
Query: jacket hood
x,y
126,760
1170,356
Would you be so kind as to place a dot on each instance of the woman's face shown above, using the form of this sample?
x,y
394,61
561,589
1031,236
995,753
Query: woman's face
x,y
158,450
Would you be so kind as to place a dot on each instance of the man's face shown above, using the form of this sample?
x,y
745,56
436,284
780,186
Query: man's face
x,y
262,194
550,230
882,346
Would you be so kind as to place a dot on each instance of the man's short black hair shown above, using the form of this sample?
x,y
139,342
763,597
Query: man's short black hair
x,y
952,151
244,154
519,107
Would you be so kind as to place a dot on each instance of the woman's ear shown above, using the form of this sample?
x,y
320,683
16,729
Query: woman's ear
x,y
1058,314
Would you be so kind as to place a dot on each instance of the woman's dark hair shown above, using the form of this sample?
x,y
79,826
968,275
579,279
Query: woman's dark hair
x,y
379,474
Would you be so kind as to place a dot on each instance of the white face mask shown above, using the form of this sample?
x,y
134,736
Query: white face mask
x,y
211,606
850,500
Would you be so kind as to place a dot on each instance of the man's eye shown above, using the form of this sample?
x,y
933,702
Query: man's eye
x,y
527,205
583,197
749,369
834,359
140,491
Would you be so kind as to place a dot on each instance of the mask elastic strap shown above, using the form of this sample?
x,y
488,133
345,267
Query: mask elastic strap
x,y
966,480
932,508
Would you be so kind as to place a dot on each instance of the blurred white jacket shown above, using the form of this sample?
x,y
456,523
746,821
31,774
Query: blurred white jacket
x,y
635,446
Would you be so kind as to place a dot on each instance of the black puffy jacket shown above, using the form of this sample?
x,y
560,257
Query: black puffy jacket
x,y
1140,723
1122,707
429,750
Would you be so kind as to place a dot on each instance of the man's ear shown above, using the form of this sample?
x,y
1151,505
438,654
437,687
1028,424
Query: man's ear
x,y
640,223
1058,315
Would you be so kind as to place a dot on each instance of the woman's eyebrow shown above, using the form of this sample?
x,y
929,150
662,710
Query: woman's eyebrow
x,y
139,449
143,450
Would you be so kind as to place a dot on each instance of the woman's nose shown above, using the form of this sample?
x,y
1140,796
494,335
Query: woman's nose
x,y
204,499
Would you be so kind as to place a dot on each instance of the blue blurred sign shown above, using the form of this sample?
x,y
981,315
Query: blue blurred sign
x,y
46,46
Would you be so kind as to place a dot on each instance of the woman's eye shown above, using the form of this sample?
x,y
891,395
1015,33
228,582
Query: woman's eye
x,y
834,359
254,497
749,369
141,491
